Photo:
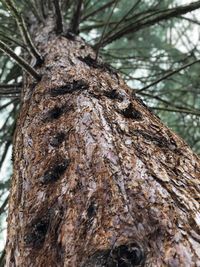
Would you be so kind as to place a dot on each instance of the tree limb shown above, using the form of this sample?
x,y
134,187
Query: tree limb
x,y
7,145
190,20
197,113
2,258
2,208
123,18
20,61
13,40
98,10
59,22
10,90
23,29
7,104
169,103
145,22
75,21
35,10
65,5
13,85
168,75
104,29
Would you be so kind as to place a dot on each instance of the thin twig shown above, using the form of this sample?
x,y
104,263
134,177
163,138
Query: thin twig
x,y
98,10
146,22
42,5
123,18
5,185
190,20
75,21
168,75
13,85
59,21
39,8
7,145
35,10
87,2
197,113
168,103
6,104
2,258
2,208
20,61
13,40
104,30
10,94
65,5
10,90
23,29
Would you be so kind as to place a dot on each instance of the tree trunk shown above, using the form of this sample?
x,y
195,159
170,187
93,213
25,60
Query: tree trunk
x,y
98,179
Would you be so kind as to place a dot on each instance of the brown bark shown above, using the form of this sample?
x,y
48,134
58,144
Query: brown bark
x,y
98,179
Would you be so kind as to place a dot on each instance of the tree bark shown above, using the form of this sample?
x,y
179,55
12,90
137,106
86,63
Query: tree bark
x,y
98,179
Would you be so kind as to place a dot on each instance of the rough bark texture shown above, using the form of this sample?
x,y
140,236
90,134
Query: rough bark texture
x,y
98,179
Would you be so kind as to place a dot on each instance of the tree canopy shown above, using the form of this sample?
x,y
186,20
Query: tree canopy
x,y
152,44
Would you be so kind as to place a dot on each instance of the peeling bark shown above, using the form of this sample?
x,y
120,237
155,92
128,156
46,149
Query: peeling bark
x,y
98,179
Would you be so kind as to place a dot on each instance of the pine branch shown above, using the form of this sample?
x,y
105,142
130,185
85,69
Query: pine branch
x,y
10,90
191,20
170,104
23,29
7,104
75,21
9,86
104,29
5,185
150,13
123,18
146,22
39,7
13,96
59,22
168,75
2,208
7,145
42,6
96,26
20,61
86,4
13,40
65,4
35,10
197,113
98,10
6,122
2,258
